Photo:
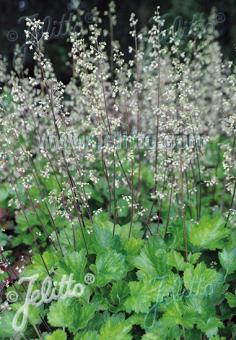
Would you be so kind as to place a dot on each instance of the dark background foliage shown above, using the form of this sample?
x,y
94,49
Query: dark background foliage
x,y
179,12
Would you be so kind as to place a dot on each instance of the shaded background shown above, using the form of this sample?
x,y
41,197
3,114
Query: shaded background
x,y
12,13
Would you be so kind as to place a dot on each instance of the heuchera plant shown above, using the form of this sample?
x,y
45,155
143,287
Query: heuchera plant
x,y
125,175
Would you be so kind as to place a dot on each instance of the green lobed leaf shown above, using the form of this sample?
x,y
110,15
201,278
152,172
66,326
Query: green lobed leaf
x,y
228,260
202,280
116,328
231,299
209,233
152,261
71,314
147,291
57,335
91,335
176,260
110,266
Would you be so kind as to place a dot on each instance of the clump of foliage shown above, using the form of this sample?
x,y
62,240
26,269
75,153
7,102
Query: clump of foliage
x,y
126,173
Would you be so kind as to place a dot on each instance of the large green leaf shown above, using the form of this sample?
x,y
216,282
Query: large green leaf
x,y
202,280
145,292
119,292
210,326
61,313
228,260
110,266
103,239
209,233
82,315
90,335
70,313
116,328
132,248
57,335
231,299
152,261
41,265
176,314
176,260
6,329
74,263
